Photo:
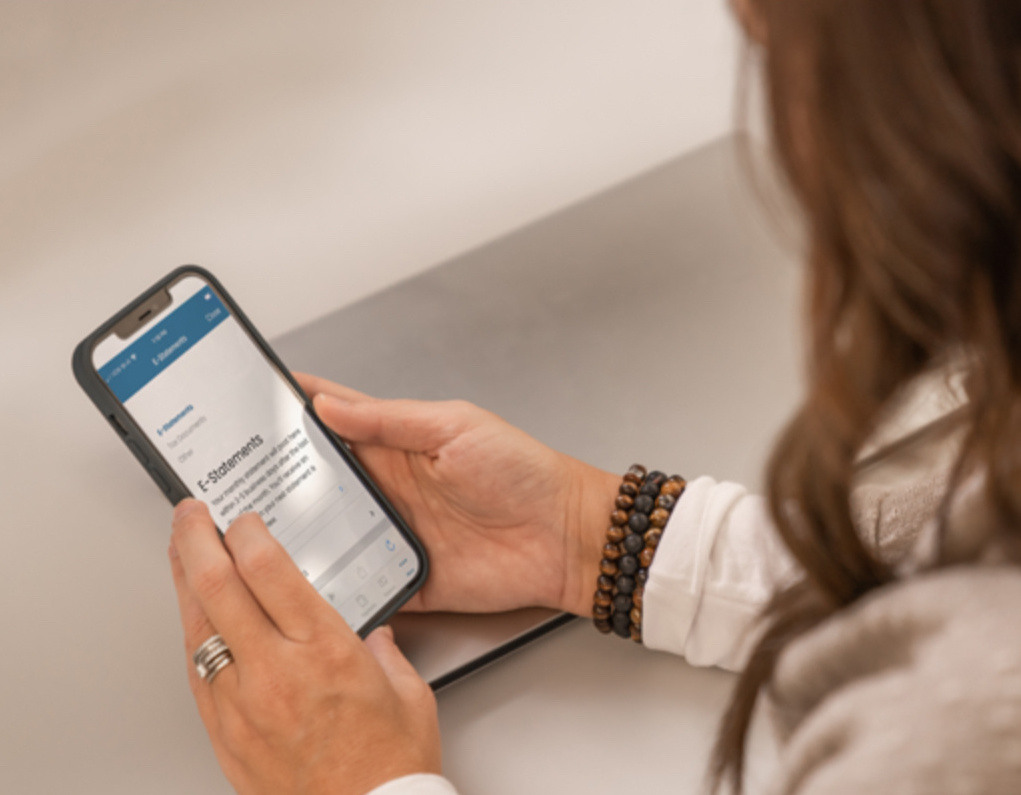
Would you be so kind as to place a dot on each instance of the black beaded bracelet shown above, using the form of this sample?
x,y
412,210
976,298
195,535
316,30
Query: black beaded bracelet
x,y
641,510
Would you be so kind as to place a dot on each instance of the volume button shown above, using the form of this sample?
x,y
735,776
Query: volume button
x,y
137,450
160,480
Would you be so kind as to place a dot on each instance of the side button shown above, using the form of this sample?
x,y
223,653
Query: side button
x,y
133,446
160,480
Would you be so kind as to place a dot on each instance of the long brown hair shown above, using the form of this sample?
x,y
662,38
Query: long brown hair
x,y
897,124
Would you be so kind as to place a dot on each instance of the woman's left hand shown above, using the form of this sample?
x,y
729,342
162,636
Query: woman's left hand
x,y
307,706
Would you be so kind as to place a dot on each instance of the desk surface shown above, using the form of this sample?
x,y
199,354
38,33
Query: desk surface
x,y
655,322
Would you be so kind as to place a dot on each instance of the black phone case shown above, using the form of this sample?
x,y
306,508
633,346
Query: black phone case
x,y
161,472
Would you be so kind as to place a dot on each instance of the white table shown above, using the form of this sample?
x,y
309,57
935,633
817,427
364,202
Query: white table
x,y
655,322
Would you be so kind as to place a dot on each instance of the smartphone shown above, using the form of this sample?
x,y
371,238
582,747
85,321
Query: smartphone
x,y
209,410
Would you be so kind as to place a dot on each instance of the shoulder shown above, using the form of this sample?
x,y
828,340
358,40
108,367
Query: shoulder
x,y
916,688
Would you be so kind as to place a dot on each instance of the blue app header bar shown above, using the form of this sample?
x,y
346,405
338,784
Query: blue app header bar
x,y
163,344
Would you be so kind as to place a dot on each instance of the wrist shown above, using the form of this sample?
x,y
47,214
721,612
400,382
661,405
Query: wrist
x,y
590,501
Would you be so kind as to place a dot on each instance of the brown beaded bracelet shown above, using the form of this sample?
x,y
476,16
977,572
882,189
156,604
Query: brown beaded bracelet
x,y
641,510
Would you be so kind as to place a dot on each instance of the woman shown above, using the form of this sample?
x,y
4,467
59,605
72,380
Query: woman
x,y
890,666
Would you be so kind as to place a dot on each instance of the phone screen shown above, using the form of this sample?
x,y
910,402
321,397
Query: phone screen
x,y
239,437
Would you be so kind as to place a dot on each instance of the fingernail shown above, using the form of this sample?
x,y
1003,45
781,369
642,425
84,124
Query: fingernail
x,y
186,507
332,400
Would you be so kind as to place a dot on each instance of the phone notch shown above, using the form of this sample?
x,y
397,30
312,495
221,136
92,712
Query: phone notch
x,y
143,313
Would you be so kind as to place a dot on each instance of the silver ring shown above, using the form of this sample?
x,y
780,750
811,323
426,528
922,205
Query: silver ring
x,y
212,657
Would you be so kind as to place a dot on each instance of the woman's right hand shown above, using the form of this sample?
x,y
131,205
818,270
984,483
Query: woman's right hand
x,y
507,522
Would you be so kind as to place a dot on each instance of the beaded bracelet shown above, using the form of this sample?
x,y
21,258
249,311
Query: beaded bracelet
x,y
641,510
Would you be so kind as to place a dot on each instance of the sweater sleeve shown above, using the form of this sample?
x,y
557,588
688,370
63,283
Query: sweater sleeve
x,y
915,688
718,564
418,784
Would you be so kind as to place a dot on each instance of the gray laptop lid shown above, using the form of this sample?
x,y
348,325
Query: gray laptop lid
x,y
653,322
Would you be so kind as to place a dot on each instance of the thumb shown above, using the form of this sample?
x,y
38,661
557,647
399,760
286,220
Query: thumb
x,y
394,664
411,425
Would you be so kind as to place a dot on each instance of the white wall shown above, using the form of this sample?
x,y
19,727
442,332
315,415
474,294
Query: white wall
x,y
312,153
